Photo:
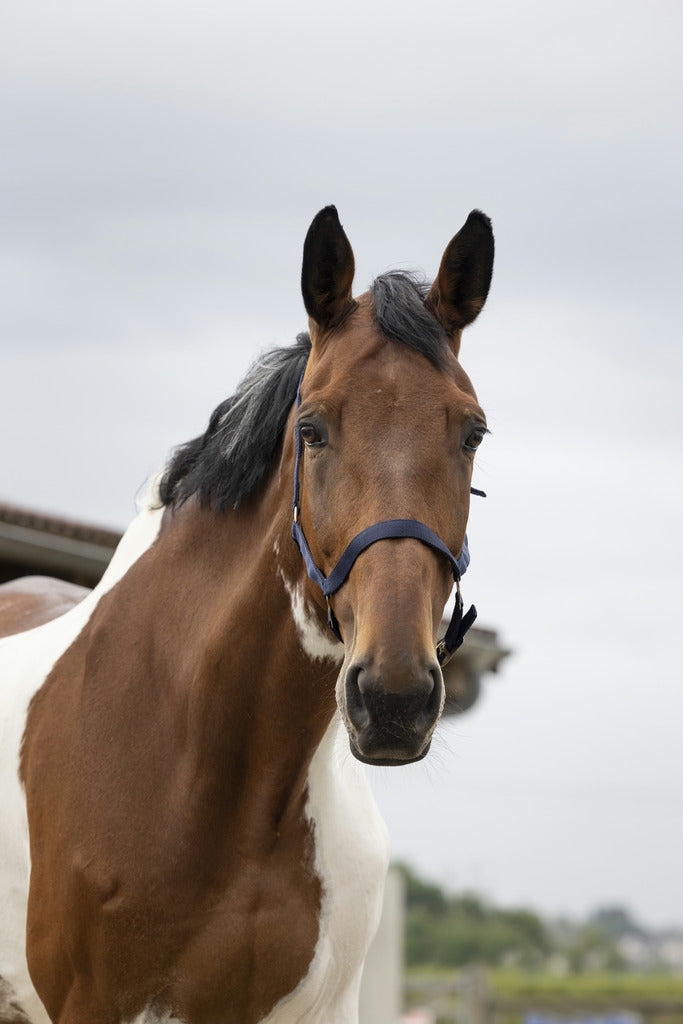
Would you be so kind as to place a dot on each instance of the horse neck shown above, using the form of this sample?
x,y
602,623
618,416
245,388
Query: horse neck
x,y
248,698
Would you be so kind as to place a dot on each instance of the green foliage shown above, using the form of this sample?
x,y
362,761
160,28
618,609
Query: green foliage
x,y
449,931
614,922
446,931
592,948
423,895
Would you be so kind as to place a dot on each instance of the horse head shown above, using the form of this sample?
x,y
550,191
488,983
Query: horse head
x,y
388,425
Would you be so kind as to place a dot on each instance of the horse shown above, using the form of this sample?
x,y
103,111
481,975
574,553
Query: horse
x,y
187,830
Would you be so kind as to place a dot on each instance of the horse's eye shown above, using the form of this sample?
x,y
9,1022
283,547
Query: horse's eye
x,y
310,435
474,439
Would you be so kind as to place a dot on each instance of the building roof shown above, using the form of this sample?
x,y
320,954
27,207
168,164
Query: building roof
x,y
33,541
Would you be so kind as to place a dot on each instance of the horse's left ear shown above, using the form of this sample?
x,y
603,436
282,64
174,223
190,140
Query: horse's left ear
x,y
459,292
327,271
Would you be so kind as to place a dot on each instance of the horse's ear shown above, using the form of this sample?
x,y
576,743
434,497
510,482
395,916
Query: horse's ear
x,y
327,271
459,292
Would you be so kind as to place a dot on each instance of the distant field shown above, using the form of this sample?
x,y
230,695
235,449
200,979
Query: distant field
x,y
503,997
636,986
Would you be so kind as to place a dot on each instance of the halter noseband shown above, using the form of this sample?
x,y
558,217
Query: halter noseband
x,y
388,528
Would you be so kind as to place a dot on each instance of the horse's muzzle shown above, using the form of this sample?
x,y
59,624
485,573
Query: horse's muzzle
x,y
391,713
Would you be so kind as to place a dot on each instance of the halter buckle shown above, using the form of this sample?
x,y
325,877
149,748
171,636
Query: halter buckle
x,y
442,654
332,620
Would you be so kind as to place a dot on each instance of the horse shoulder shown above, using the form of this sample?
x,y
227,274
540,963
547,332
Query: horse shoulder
x,y
27,659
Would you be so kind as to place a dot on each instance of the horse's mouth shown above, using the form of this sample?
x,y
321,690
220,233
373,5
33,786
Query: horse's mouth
x,y
387,760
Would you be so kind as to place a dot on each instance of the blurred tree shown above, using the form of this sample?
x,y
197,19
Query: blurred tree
x,y
592,949
615,922
449,931
421,894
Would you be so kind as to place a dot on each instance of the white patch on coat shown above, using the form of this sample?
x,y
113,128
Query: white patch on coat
x,y
25,662
351,860
318,643
151,1016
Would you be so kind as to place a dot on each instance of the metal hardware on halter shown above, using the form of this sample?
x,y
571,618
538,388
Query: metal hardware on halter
x,y
332,619
442,655
443,652
387,529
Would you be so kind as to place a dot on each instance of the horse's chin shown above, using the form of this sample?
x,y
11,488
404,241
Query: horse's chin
x,y
386,760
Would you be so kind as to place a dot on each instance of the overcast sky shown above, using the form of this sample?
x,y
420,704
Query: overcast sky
x,y
161,163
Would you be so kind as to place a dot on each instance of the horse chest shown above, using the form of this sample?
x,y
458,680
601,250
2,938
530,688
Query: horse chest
x,y
295,954
244,951
227,932
351,859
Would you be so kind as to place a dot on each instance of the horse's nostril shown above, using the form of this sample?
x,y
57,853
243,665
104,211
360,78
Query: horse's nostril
x,y
355,703
432,706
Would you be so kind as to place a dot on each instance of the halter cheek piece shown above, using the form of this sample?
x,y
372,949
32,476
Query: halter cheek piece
x,y
388,528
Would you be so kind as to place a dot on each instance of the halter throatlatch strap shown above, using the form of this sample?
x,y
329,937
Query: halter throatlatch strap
x,y
385,530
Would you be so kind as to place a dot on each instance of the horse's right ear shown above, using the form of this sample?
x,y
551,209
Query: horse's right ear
x,y
459,292
327,271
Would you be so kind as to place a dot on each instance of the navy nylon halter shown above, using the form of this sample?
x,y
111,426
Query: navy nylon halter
x,y
384,530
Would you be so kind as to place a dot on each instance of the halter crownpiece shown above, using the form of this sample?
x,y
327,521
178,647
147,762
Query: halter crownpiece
x,y
384,530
